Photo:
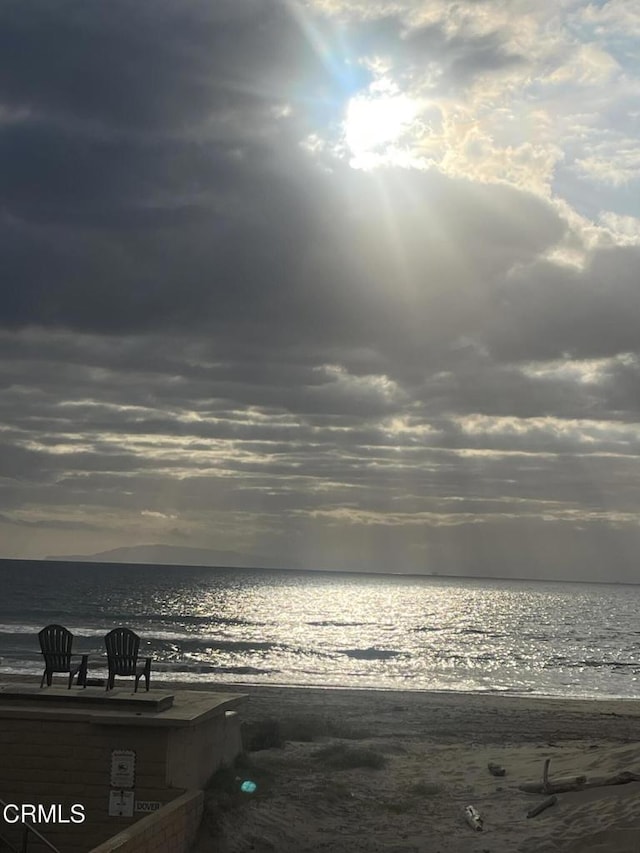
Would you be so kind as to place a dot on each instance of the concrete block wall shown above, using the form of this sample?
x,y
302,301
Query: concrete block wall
x,y
172,829
195,753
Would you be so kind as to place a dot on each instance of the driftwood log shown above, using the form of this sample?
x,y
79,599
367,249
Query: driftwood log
x,y
579,783
550,801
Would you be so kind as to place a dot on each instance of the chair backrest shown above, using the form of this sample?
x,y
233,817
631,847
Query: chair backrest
x,y
122,651
55,644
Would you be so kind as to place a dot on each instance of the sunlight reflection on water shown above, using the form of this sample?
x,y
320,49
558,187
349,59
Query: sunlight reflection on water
x,y
409,633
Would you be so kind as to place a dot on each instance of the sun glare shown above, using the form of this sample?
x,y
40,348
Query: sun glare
x,y
374,125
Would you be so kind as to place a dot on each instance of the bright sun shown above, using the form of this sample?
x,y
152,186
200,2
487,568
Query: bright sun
x,y
373,126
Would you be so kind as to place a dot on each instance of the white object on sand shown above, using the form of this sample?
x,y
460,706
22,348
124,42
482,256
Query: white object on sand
x,y
473,818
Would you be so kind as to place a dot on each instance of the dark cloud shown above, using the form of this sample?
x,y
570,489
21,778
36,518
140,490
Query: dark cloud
x,y
290,264
63,176
548,311
153,65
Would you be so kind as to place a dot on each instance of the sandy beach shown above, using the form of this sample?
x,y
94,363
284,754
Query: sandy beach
x,y
347,770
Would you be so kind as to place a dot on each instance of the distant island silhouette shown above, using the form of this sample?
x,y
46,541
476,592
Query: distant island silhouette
x,y
171,555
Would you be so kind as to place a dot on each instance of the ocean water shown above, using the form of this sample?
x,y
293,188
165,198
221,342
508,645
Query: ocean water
x,y
322,629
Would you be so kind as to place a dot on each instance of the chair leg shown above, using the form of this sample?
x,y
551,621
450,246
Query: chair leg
x,y
44,675
82,673
144,674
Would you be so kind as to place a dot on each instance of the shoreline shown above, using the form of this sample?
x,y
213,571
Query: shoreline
x,y
256,687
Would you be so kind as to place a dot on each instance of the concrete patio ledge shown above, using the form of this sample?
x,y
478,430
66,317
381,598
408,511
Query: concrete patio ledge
x,y
154,700
116,707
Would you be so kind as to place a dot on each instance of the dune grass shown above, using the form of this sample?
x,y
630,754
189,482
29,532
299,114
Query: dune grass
x,y
341,756
274,732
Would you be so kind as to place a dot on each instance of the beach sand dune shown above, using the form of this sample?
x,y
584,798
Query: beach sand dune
x,y
394,772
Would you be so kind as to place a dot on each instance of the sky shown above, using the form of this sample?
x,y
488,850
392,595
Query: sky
x,y
346,284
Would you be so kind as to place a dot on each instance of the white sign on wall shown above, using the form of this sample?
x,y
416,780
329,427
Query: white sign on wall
x,y
121,803
123,768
